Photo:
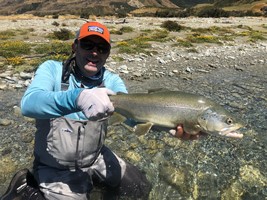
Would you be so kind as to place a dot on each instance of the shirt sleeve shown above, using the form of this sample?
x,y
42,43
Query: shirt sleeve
x,y
43,99
114,82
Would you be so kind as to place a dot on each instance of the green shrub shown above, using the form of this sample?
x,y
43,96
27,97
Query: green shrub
x,y
158,35
4,35
117,58
198,38
141,44
256,35
55,23
126,29
213,12
55,16
116,32
25,68
133,46
54,47
63,34
183,43
9,49
15,60
173,12
171,25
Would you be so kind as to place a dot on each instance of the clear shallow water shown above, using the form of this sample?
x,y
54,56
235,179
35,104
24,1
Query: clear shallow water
x,y
208,168
213,167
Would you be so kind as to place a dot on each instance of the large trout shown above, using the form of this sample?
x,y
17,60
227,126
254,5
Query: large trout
x,y
171,108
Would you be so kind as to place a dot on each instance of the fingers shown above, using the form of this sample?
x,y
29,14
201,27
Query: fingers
x,y
95,103
110,92
181,134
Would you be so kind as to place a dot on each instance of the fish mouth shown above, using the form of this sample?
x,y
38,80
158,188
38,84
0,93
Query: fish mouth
x,y
231,132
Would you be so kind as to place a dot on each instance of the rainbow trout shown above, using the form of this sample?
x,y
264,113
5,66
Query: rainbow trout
x,y
171,108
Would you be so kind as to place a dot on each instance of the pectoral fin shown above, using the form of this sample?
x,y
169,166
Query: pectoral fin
x,y
191,129
116,118
142,129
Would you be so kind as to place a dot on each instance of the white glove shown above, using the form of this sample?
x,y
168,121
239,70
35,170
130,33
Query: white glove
x,y
95,103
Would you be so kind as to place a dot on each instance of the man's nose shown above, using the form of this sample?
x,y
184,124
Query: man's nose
x,y
94,51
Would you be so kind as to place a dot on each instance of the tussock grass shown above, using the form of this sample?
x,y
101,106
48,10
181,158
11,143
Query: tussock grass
x,y
182,42
11,33
253,35
54,47
20,53
133,46
127,29
142,43
199,38
8,34
17,60
256,36
26,67
62,34
10,49
124,29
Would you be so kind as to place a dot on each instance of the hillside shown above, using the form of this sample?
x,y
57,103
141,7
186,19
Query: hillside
x,y
114,7
74,6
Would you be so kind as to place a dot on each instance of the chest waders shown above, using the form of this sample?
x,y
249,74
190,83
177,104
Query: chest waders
x,y
67,143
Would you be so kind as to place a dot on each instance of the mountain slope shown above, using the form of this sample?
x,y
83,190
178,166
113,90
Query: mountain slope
x,y
110,7
73,6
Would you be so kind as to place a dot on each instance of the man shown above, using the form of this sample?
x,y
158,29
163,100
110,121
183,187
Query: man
x,y
71,105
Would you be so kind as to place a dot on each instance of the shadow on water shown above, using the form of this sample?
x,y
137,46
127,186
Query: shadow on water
x,y
208,168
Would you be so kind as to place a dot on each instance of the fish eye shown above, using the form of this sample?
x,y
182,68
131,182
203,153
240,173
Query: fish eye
x,y
229,121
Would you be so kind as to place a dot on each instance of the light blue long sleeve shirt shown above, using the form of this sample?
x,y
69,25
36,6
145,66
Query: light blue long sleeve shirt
x,y
44,98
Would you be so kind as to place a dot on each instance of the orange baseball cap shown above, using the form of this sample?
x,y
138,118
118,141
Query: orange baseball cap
x,y
94,28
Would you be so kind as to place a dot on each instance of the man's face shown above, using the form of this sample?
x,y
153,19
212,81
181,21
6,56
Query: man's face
x,y
91,54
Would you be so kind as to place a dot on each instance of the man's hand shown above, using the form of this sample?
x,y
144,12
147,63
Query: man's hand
x,y
95,103
181,134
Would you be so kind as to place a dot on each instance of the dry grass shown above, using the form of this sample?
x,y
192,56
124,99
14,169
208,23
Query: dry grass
x,y
30,17
145,10
17,17
255,6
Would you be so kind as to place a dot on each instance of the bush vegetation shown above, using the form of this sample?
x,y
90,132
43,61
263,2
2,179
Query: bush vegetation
x,y
171,25
141,44
22,53
164,13
182,42
62,34
199,38
54,47
203,12
212,12
5,35
9,49
124,29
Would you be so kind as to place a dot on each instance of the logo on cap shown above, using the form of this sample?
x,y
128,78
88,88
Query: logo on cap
x,y
96,29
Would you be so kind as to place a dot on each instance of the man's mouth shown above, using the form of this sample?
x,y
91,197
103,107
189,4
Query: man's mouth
x,y
92,62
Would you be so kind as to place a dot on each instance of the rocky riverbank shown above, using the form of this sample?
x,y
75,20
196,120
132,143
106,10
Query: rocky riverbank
x,y
233,74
